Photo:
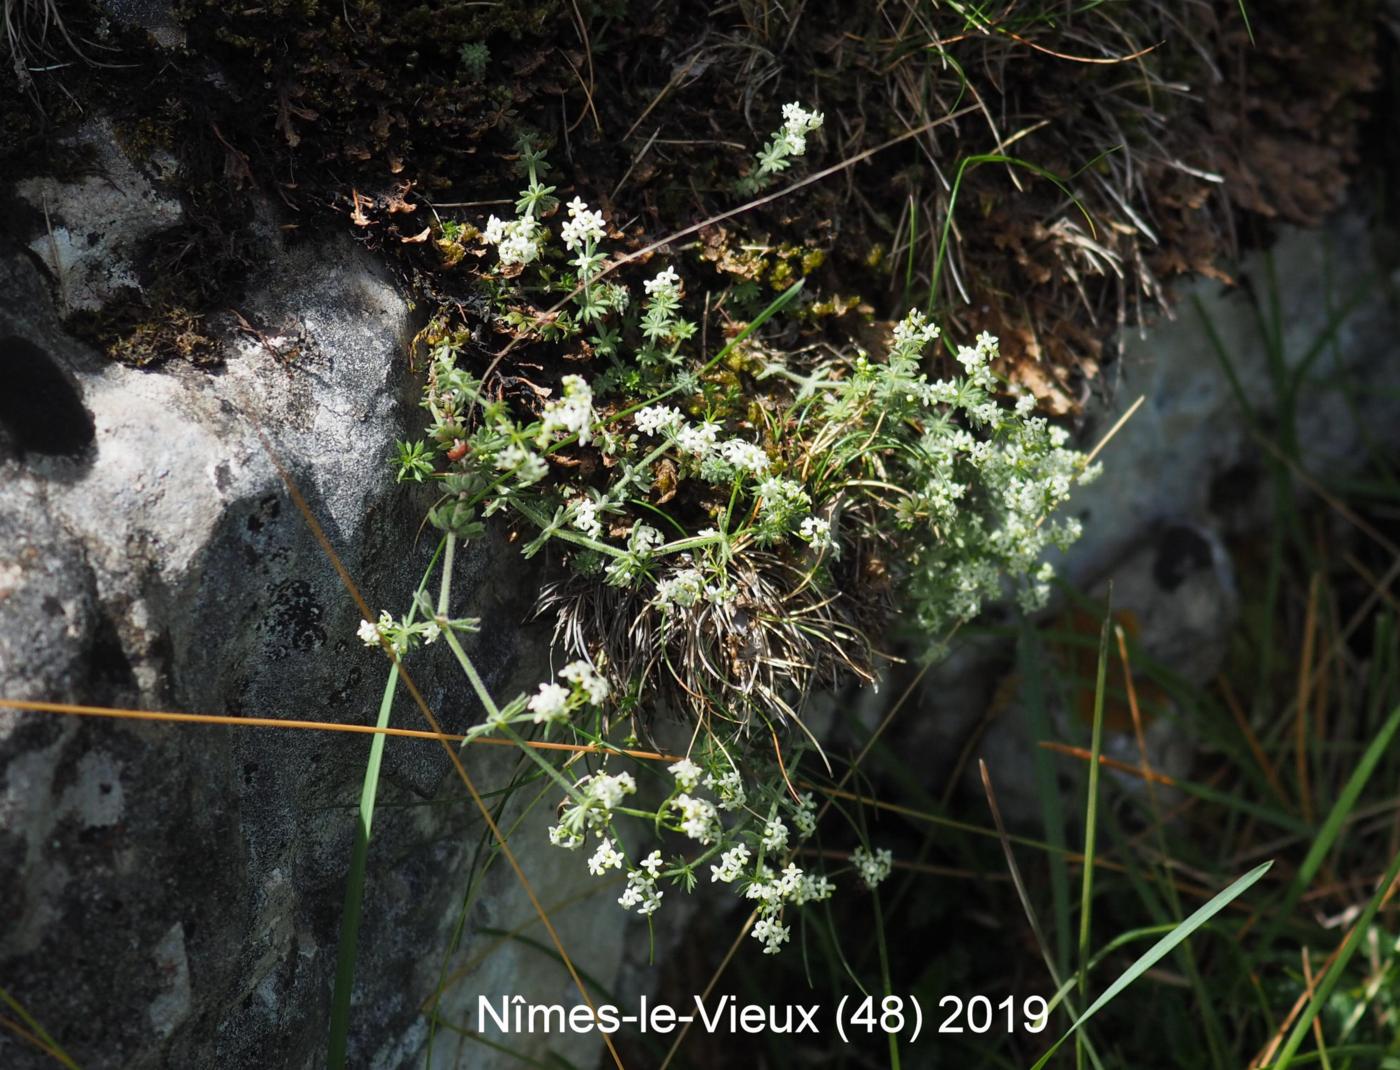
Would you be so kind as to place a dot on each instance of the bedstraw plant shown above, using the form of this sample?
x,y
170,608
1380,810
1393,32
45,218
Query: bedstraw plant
x,y
729,530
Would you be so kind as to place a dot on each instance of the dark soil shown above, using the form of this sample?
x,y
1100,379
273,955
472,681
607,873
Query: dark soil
x,y
1167,133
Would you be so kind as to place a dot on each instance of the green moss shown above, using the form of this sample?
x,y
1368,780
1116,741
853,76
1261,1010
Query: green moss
x,y
132,331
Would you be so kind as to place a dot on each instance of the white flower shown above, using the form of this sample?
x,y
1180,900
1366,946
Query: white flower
x,y
583,675
698,439
971,359
568,838
582,225
775,835
644,539
914,332
518,249
607,791
652,864
699,818
813,890
731,865
986,413
516,240
573,413
780,499
368,631
667,283
687,774
798,121
764,889
495,231
528,466
550,703
657,418
641,891
817,531
730,789
585,517
804,815
872,868
606,857
789,882
789,140
772,933
683,588
744,455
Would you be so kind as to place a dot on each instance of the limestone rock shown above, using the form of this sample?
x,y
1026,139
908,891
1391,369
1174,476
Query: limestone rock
x,y
173,892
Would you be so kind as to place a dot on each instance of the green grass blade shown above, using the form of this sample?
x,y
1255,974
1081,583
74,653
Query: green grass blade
x,y
1249,29
975,161
1086,885
885,981
909,259
1330,980
355,888
1161,949
1346,802
1331,829
1047,788
359,855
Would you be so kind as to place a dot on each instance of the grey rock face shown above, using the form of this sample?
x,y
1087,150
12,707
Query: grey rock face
x,y
93,227
172,892
1188,455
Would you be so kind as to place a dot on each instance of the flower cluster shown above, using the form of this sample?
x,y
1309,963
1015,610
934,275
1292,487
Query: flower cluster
x,y
403,635
742,851
782,503
521,240
592,808
773,891
728,786
641,892
746,851
572,414
872,868
553,703
517,241
817,531
606,857
583,226
658,420
662,325
687,774
974,506
787,141
698,818
731,865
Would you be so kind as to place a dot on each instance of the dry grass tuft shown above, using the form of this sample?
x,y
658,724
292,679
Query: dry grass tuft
x,y
762,653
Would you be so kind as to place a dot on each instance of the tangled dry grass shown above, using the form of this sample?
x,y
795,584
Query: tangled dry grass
x,y
757,656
